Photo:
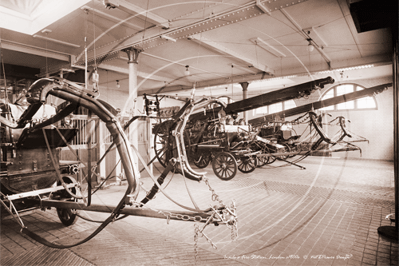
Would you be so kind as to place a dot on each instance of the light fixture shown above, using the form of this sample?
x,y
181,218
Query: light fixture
x,y
117,84
187,72
310,45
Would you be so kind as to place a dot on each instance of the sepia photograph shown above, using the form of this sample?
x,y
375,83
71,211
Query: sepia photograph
x,y
199,132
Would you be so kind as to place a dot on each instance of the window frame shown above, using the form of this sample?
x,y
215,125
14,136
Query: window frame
x,y
356,105
283,103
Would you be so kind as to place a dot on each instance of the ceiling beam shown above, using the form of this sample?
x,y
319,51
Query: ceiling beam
x,y
129,7
267,47
305,33
268,6
216,46
153,35
113,18
35,50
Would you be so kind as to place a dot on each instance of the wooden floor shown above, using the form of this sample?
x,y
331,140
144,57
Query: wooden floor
x,y
326,214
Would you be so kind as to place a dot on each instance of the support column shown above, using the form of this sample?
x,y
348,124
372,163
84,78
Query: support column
x,y
244,86
133,55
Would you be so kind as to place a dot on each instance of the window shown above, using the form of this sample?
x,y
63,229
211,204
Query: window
x,y
274,108
362,103
289,104
261,110
366,102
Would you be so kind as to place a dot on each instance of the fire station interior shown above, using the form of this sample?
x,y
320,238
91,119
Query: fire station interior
x,y
226,132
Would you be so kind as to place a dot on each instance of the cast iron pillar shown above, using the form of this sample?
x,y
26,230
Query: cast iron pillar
x,y
244,86
133,55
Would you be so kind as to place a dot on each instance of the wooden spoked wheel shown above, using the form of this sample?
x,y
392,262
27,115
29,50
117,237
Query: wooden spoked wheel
x,y
224,166
163,143
68,216
247,164
261,161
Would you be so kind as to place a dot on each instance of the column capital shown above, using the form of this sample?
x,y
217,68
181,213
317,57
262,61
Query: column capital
x,y
132,54
244,85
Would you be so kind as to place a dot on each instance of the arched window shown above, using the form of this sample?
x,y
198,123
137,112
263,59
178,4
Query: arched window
x,y
361,104
274,108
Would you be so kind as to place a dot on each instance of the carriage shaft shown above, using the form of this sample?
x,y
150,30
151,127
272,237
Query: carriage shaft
x,y
158,213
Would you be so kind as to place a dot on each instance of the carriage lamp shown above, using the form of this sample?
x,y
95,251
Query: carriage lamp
x,y
310,45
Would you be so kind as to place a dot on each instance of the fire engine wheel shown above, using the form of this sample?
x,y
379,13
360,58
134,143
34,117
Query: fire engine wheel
x,y
224,166
247,164
271,159
202,160
68,216
261,161
163,145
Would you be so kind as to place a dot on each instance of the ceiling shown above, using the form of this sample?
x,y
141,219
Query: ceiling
x,y
223,43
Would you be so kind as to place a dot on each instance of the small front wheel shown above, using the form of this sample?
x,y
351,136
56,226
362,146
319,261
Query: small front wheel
x,y
261,161
248,164
224,166
67,216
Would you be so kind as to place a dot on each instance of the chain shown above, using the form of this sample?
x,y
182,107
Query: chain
x,y
229,216
232,221
183,217
220,214
198,232
215,197
233,230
